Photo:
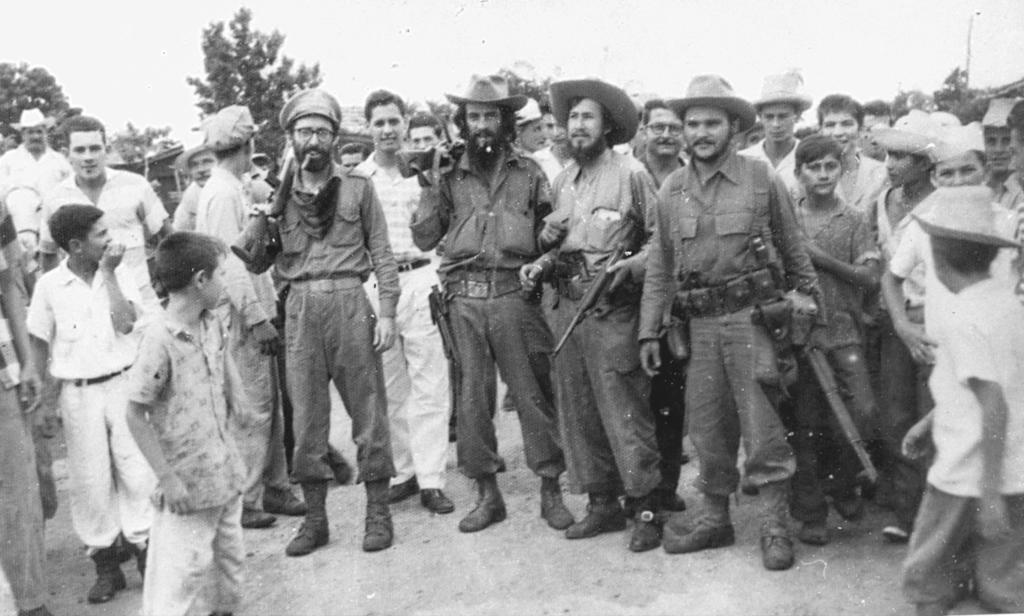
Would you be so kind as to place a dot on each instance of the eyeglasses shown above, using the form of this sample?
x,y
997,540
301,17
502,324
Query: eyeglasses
x,y
673,129
322,134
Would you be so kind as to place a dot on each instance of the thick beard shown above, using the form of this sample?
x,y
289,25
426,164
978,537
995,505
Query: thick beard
x,y
484,156
587,153
315,164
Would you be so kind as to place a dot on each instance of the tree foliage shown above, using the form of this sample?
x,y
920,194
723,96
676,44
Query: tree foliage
x,y
523,80
132,144
23,87
245,67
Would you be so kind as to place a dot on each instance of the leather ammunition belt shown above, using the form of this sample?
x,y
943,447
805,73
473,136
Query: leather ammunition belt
x,y
481,284
741,292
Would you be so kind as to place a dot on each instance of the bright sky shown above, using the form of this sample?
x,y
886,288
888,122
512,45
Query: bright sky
x,y
125,60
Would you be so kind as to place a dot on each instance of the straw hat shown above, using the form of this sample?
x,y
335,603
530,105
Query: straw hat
x,y
914,133
31,118
962,213
784,89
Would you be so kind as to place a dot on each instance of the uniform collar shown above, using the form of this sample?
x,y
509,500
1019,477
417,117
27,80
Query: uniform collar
x,y
512,159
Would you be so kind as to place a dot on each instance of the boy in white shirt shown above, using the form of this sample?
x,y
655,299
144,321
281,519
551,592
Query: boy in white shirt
x,y
970,525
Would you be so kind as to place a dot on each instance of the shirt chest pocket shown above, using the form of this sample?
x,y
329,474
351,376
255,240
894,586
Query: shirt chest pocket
x,y
601,228
347,228
733,223
293,239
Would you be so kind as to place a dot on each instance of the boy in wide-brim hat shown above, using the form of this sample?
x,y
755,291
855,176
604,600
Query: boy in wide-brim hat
x,y
970,525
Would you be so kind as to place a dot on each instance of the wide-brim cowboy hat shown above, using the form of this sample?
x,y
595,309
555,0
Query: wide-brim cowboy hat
x,y
962,213
490,90
714,91
915,133
620,106
30,118
784,89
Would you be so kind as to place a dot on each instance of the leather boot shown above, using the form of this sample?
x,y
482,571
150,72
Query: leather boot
x,y
604,515
489,509
776,544
109,578
379,533
552,508
282,501
647,523
712,530
314,532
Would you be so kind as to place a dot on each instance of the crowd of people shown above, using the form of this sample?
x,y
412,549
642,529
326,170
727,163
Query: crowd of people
x,y
843,306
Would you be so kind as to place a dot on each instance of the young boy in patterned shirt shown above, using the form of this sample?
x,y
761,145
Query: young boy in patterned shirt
x,y
181,391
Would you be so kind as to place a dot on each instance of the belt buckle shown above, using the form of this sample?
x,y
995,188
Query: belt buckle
x,y
478,289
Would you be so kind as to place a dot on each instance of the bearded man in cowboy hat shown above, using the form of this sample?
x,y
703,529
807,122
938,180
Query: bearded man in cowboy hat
x,y
248,306
333,234
32,164
727,237
603,199
491,202
779,108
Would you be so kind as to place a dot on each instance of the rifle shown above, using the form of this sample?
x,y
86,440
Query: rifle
x,y
827,380
592,296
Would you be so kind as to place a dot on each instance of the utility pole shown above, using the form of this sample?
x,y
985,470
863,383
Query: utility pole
x,y
967,69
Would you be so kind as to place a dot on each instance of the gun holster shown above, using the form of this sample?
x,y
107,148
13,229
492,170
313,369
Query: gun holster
x,y
677,338
777,319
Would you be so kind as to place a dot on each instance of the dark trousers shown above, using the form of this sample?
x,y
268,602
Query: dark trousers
x,y
904,399
604,408
822,450
668,389
510,332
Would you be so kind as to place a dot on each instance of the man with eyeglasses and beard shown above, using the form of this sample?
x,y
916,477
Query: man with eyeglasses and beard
x,y
727,243
333,234
603,206
491,202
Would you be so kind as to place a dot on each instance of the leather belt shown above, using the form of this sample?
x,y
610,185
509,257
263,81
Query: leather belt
x,y
482,284
741,292
98,379
408,266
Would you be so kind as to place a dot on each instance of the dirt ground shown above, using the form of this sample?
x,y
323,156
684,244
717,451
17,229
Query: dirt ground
x,y
519,566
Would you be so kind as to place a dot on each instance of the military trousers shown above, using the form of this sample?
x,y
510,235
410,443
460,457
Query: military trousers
x,y
731,373
508,331
261,440
329,327
22,551
603,400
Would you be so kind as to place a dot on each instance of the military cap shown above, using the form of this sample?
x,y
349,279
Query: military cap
x,y
310,102
230,127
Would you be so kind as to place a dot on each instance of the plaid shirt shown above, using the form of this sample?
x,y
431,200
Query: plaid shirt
x,y
398,197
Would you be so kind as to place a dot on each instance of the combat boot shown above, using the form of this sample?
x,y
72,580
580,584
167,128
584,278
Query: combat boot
x,y
712,530
282,501
109,577
552,508
379,532
489,509
647,524
776,544
314,532
604,515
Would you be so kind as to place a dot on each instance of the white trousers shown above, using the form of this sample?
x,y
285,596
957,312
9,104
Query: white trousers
x,y
111,480
416,377
195,558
